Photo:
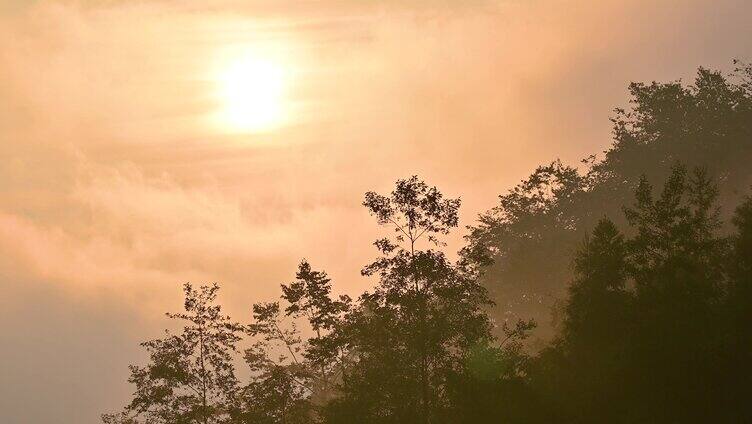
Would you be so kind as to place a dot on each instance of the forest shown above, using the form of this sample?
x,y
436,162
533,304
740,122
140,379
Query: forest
x,y
616,290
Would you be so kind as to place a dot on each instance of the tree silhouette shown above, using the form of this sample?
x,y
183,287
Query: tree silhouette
x,y
653,291
535,229
644,337
293,376
190,377
310,298
738,364
579,370
412,332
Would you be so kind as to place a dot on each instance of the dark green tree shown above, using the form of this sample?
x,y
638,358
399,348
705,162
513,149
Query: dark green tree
x,y
492,385
677,263
582,372
643,335
737,363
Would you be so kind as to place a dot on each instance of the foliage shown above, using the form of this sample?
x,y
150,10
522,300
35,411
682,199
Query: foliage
x,y
190,377
535,229
653,289
646,335
414,330
288,387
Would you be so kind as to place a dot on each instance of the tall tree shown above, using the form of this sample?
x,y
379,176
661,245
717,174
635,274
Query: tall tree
x,y
293,375
415,327
582,372
190,378
676,261
738,362
643,336
310,298
280,383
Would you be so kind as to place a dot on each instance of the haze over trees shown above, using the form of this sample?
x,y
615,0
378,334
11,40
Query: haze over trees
x,y
534,231
636,268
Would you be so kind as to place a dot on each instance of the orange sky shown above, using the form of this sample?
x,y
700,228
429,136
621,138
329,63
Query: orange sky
x,y
118,184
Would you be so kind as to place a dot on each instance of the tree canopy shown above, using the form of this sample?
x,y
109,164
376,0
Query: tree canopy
x,y
533,232
643,256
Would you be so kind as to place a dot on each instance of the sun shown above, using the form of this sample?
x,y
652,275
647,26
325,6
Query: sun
x,y
251,93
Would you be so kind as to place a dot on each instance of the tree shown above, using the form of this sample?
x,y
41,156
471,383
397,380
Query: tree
x,y
492,384
414,329
737,364
310,298
583,371
190,377
292,377
643,337
531,235
526,243
676,262
280,382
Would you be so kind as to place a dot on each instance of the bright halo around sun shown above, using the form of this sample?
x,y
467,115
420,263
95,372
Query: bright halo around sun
x,y
251,94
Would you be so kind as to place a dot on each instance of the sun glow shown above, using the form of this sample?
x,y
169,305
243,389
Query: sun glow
x,y
251,91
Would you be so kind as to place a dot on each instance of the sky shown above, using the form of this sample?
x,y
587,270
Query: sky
x,y
144,144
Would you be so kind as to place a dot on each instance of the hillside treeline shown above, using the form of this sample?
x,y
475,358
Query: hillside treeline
x,y
618,291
